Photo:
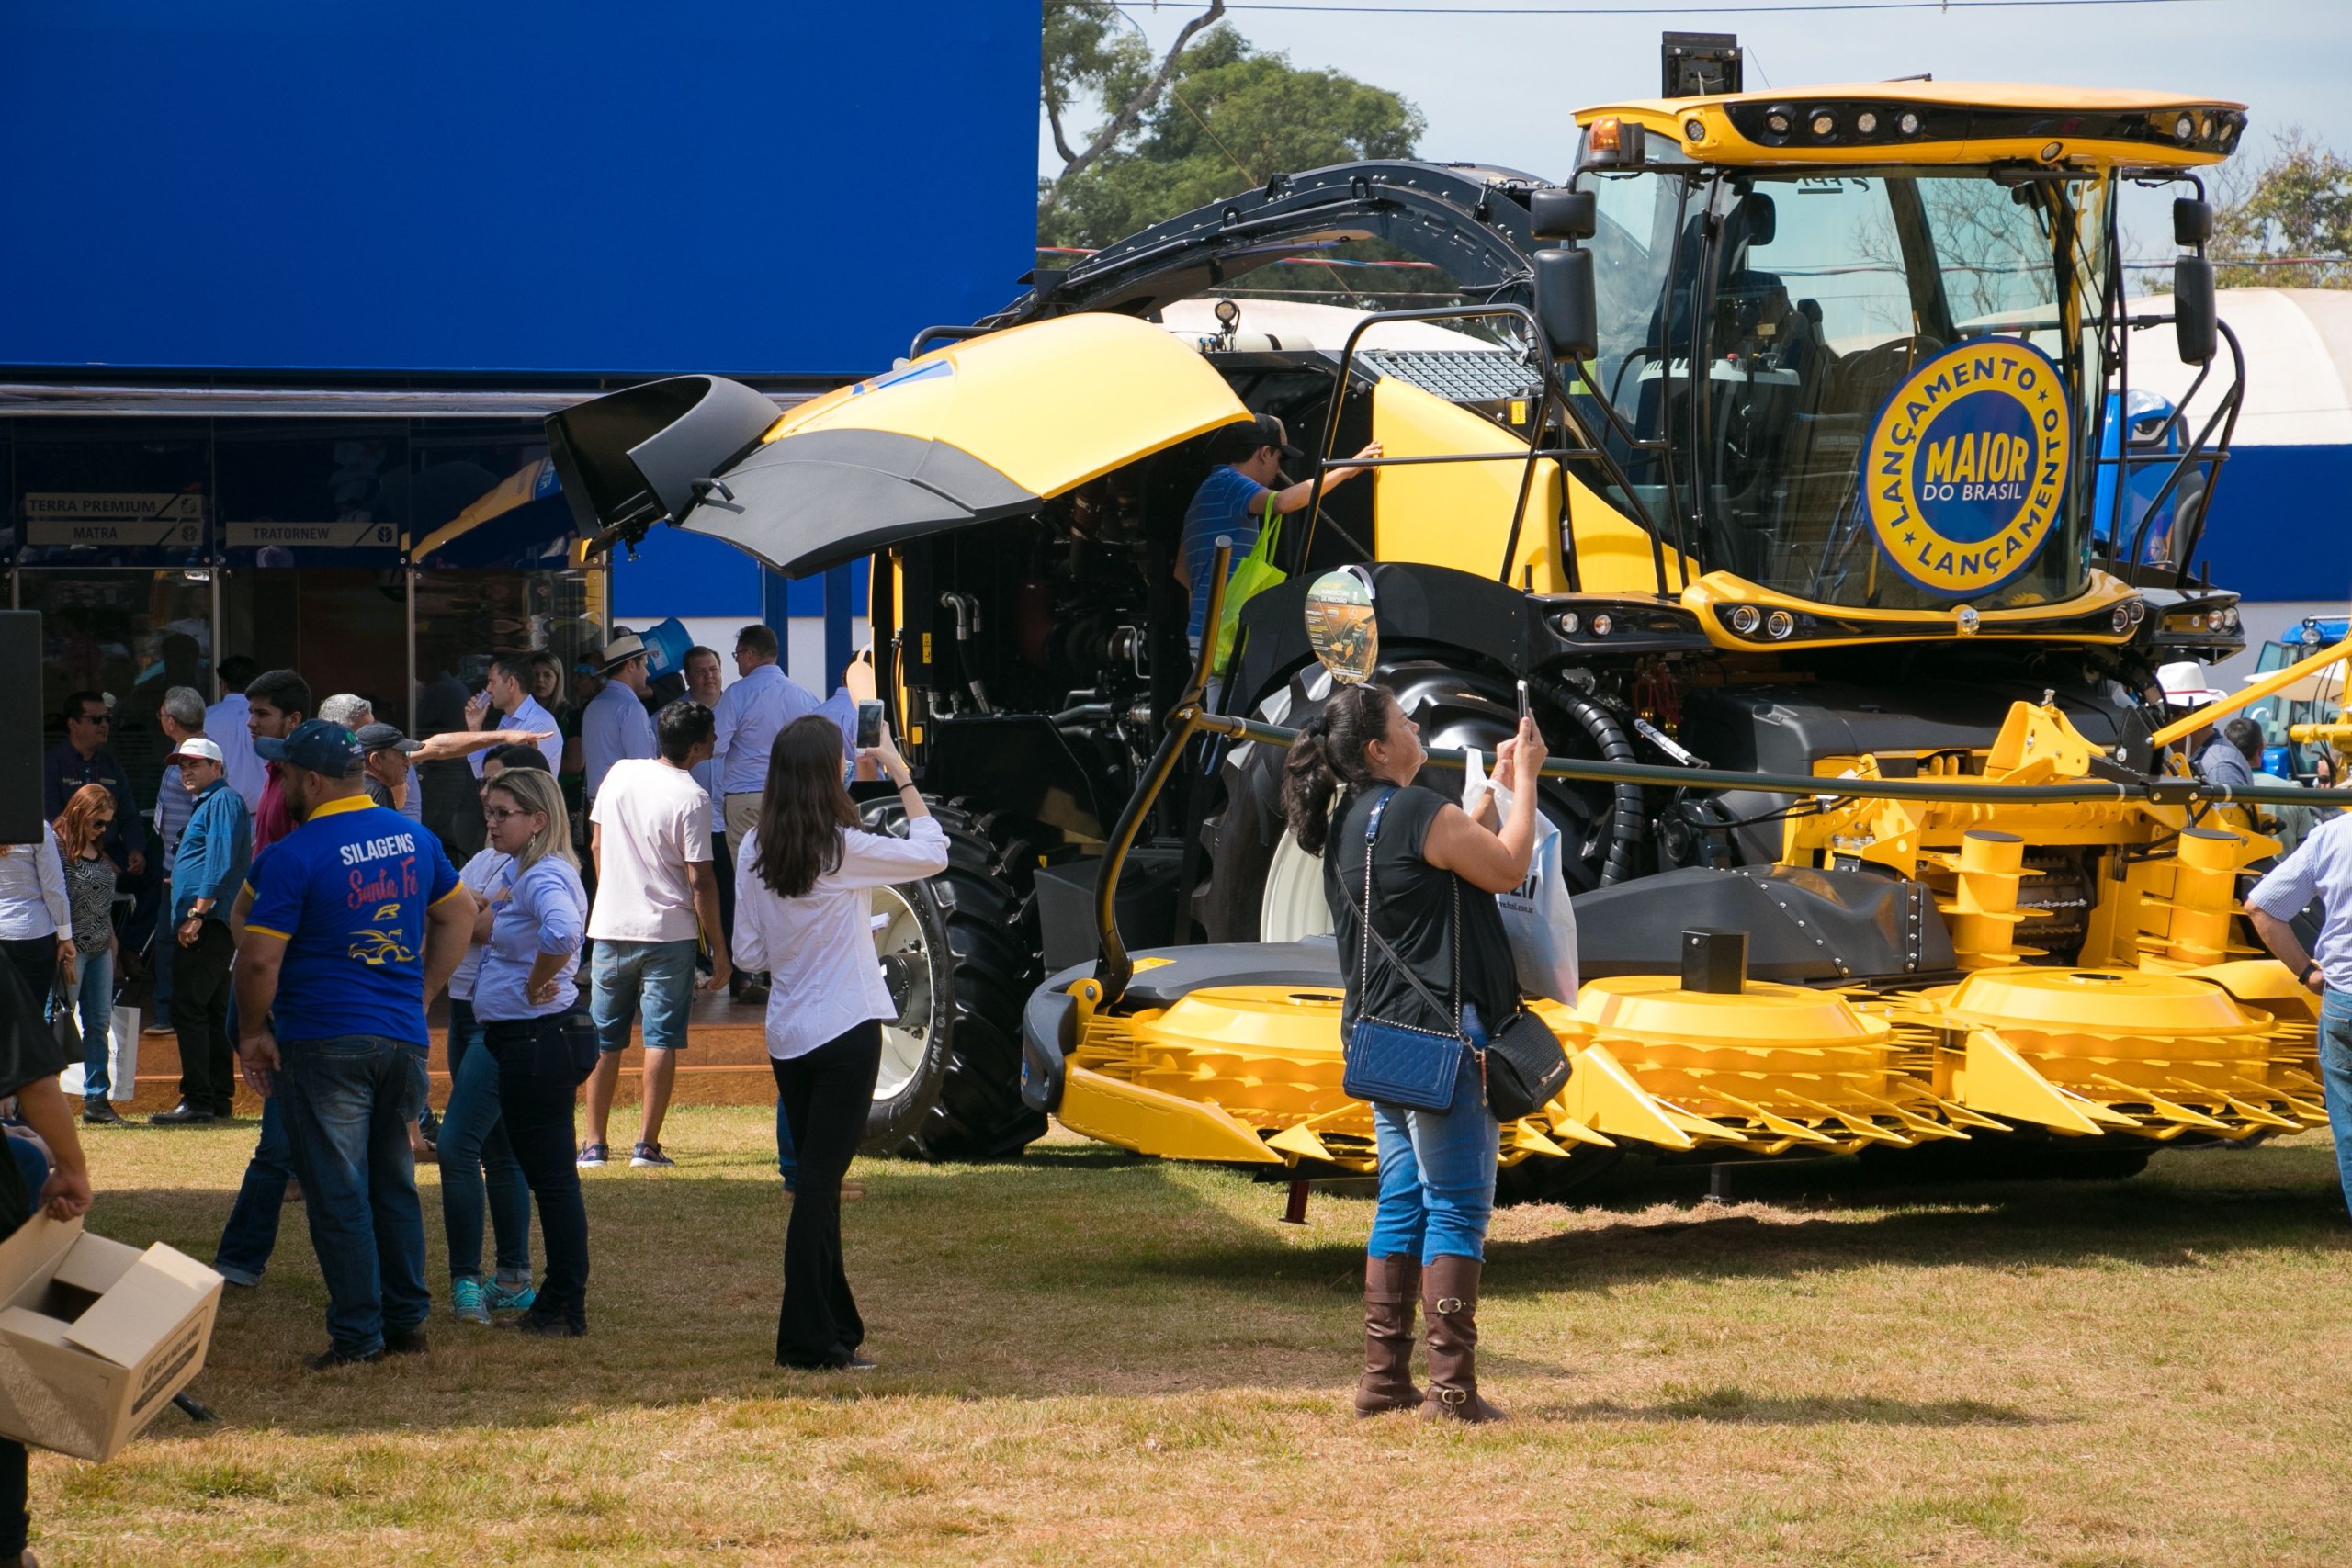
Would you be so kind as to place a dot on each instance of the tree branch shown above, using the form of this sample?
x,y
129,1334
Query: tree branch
x,y
1054,113
1119,124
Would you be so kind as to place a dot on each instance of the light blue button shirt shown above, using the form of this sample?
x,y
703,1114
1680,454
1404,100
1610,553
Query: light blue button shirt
x,y
749,715
2320,868
546,911
614,727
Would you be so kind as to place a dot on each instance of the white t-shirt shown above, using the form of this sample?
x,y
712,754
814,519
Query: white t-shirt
x,y
655,821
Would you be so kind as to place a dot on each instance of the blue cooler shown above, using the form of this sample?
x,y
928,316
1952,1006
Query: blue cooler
x,y
665,648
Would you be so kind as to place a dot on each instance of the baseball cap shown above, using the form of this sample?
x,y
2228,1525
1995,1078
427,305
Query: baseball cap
x,y
620,650
328,749
382,736
196,749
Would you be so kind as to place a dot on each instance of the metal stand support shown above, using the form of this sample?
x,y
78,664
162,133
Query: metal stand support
x,y
1294,1211
1718,1184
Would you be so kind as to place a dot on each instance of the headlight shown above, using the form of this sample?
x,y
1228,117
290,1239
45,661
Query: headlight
x,y
1601,624
1569,622
1867,123
1778,624
1745,620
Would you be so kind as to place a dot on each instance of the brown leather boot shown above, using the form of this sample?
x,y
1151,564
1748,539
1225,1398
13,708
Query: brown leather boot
x,y
1450,1290
1392,1288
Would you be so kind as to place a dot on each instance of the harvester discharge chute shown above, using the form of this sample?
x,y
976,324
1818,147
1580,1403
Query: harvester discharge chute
x,y
1777,452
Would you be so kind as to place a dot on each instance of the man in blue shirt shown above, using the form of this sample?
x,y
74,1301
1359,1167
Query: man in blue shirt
x,y
763,700
2320,868
208,867
356,919
1232,502
615,727
85,757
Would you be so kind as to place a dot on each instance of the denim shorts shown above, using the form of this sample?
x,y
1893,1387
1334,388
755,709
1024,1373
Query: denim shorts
x,y
654,977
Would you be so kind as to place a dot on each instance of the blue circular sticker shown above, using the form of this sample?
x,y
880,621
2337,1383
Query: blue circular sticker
x,y
1967,464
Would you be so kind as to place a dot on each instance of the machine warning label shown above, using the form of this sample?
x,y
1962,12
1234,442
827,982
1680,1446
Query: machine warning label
x,y
1967,463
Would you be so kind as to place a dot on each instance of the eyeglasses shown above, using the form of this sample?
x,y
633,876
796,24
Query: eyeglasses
x,y
94,717
500,814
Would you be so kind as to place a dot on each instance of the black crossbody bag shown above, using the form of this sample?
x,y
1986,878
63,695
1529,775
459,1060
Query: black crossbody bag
x,y
1523,1067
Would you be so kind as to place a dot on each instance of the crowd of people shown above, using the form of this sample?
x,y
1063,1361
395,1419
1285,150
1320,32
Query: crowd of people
x,y
295,921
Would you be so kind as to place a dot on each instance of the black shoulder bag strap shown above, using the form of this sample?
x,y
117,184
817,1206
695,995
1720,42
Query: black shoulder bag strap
x,y
1363,918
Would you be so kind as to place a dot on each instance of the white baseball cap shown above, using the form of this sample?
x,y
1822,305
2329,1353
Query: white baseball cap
x,y
198,749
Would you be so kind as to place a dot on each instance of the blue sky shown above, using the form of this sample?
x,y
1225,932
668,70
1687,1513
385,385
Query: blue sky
x,y
1503,89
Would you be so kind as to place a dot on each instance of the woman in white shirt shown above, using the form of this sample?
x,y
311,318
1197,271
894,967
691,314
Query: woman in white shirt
x,y
803,883
33,910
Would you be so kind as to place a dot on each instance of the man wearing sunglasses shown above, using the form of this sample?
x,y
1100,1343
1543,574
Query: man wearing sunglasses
x,y
85,757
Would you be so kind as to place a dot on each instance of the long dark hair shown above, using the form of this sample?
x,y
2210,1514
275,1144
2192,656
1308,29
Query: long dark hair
x,y
805,807
1328,753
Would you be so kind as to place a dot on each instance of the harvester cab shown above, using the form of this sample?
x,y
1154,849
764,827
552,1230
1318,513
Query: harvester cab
x,y
1788,453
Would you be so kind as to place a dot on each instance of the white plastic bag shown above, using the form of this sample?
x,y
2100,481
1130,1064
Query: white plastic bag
x,y
1537,915
122,1059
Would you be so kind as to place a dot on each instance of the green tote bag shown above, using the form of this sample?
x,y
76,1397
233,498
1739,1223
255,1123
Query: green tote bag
x,y
1255,574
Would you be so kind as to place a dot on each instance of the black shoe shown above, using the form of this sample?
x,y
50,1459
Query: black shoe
x,y
225,1112
540,1328
182,1115
96,1112
329,1360
405,1341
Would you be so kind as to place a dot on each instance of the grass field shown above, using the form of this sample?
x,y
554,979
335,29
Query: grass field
x,y
1089,1359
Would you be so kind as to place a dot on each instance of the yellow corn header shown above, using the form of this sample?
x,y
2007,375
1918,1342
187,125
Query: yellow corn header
x,y
2165,1027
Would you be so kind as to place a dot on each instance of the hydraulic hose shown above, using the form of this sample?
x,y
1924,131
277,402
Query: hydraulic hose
x,y
1626,799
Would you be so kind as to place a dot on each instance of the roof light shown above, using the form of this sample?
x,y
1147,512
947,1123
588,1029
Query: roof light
x,y
1780,120
1867,123
1910,124
1607,134
1824,124
2184,126
1694,129
2051,151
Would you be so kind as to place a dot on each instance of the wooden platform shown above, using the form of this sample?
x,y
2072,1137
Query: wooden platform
x,y
725,1063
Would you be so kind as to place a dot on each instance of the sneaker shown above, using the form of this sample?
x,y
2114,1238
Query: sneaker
x,y
594,1153
468,1300
501,1295
650,1156
328,1360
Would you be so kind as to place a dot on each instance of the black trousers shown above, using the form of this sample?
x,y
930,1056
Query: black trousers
x,y
825,1095
541,1062
200,1017
34,958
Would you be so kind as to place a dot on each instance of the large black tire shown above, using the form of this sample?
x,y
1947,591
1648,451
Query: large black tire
x,y
959,951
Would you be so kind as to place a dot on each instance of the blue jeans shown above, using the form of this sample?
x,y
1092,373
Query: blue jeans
x,y
1437,1169
349,1101
2335,1074
251,1235
94,1005
477,1162
661,973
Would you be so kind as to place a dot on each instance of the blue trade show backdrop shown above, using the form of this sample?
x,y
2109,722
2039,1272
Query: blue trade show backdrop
x,y
737,185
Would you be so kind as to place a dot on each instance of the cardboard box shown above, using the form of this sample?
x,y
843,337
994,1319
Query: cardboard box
x,y
96,1336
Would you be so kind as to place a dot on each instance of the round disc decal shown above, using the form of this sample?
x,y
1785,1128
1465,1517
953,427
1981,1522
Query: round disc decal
x,y
1967,464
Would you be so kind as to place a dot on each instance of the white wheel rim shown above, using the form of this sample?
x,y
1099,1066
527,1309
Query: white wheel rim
x,y
1293,909
906,1040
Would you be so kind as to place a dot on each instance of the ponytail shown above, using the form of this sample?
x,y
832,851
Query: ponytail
x,y
1328,753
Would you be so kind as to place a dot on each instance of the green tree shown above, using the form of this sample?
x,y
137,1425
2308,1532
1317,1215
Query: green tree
x,y
1212,118
2297,203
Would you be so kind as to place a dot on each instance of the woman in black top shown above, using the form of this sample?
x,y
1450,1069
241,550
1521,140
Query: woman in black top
x,y
1435,871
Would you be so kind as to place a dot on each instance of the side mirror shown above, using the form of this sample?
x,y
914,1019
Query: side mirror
x,y
1567,303
1563,214
2192,223
2193,308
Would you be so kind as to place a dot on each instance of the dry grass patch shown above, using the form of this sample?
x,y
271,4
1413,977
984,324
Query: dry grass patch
x,y
1093,1359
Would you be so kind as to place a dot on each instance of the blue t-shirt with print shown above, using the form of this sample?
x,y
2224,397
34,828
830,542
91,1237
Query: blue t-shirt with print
x,y
348,890
1230,503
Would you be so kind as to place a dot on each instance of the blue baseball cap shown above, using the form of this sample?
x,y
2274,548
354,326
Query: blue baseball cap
x,y
319,747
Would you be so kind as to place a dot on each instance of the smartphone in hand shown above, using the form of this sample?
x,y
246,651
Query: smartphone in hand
x,y
869,725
